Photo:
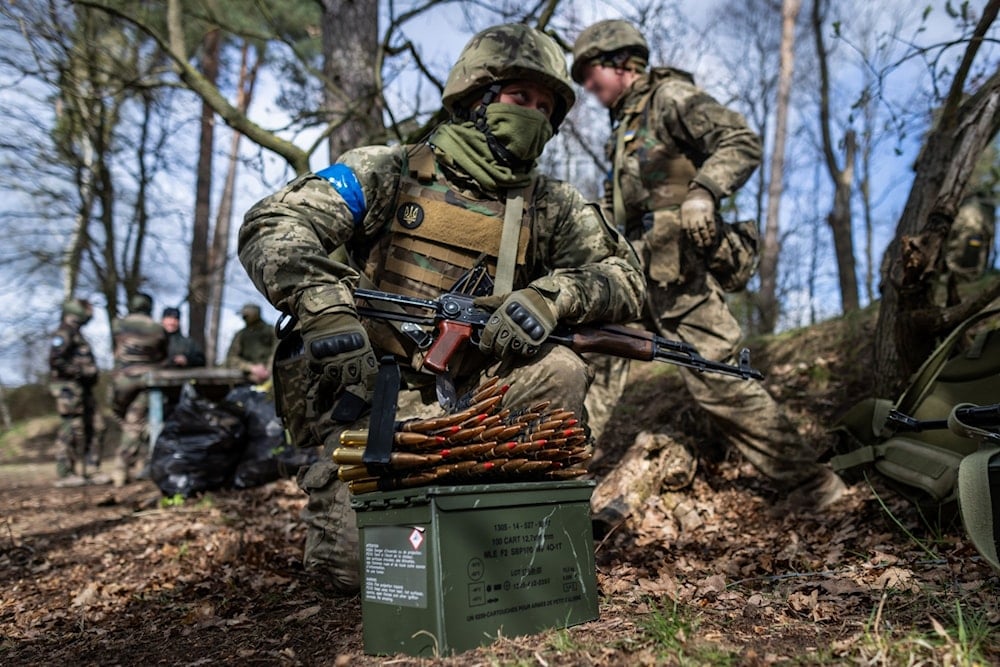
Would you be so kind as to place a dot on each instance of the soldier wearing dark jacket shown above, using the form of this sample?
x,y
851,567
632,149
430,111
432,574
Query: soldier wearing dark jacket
x,y
140,345
72,376
182,351
675,153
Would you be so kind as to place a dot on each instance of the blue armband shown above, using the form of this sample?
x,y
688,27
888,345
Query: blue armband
x,y
343,180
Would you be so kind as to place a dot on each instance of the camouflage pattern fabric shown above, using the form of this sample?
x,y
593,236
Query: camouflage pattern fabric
x,y
140,345
72,375
605,38
970,241
252,345
505,52
676,129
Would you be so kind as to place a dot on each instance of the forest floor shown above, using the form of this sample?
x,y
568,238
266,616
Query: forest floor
x,y
104,576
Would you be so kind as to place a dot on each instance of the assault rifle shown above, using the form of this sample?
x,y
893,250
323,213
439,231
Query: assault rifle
x,y
458,320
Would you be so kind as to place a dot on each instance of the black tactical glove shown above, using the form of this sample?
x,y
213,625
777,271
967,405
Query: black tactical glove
x,y
522,322
698,217
337,346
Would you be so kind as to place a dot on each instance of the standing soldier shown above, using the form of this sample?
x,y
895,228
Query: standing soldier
x,y
72,376
252,346
675,153
182,351
416,218
140,345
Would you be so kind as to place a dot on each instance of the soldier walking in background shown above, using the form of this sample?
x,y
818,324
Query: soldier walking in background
x,y
414,219
182,351
675,154
253,346
140,345
73,375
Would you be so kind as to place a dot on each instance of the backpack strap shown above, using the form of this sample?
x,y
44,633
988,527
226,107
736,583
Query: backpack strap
x,y
923,380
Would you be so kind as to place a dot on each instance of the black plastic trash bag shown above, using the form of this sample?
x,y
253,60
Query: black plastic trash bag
x,y
199,447
266,456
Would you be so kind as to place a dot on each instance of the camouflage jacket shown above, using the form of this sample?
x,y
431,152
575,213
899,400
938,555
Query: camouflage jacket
x,y
287,240
674,133
140,343
252,345
71,359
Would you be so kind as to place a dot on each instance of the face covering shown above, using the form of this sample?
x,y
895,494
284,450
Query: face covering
x,y
522,131
504,154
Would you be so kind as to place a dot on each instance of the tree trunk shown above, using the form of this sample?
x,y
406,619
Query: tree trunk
x,y
909,322
199,277
767,297
841,224
219,253
839,218
350,48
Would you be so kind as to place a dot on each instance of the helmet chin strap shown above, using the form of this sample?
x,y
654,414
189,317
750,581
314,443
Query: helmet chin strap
x,y
500,152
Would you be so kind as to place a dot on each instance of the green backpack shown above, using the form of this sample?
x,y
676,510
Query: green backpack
x,y
946,469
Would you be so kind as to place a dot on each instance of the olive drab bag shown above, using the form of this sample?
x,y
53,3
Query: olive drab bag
x,y
736,258
924,465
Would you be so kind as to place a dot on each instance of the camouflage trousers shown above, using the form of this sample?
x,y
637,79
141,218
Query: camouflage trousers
x,y
557,375
750,418
80,440
610,381
130,402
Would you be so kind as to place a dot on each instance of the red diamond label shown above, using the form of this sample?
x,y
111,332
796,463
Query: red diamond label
x,y
416,538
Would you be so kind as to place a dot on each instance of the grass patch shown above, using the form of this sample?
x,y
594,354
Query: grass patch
x,y
670,629
963,638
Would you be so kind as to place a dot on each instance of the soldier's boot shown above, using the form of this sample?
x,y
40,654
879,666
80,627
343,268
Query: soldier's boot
x,y
98,478
331,548
71,480
120,476
817,493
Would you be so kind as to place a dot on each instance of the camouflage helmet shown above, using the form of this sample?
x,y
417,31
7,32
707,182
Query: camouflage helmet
x,y
140,303
80,308
504,53
604,37
250,312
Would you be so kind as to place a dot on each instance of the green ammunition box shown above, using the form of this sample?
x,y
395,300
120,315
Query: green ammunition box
x,y
447,569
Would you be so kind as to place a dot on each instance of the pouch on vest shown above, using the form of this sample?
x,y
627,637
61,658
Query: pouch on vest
x,y
924,465
736,258
295,385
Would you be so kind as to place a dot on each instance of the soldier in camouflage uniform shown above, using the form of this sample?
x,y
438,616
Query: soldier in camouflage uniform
x,y
675,154
72,376
413,219
252,346
140,345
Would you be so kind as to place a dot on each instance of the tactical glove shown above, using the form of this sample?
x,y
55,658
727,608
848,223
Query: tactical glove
x,y
522,322
337,346
698,217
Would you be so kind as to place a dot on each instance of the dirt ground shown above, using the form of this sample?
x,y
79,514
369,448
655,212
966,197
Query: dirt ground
x,y
720,573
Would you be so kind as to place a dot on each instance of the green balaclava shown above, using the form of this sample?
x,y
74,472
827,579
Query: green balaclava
x,y
499,147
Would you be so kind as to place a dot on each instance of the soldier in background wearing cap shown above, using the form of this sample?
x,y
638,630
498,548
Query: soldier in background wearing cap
x,y
73,374
413,220
140,345
675,153
253,346
182,351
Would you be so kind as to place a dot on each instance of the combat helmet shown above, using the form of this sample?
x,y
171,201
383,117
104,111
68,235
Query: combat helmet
x,y
607,37
140,303
504,53
78,308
